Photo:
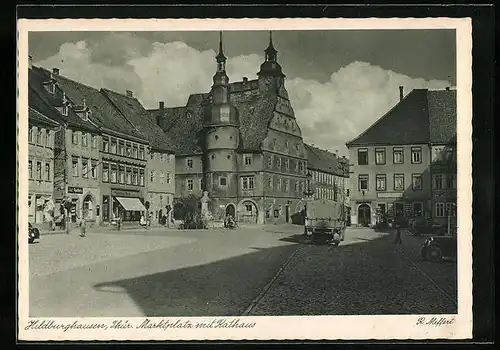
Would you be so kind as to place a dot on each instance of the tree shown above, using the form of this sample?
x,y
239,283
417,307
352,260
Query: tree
x,y
187,208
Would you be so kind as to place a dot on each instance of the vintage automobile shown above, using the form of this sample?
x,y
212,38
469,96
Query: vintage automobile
x,y
33,233
435,248
421,226
325,222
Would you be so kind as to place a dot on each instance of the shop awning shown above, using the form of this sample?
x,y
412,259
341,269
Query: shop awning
x,y
131,204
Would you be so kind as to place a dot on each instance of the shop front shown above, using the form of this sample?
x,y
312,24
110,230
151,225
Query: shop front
x,y
125,204
84,204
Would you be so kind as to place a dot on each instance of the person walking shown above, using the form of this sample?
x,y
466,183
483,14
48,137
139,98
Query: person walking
x,y
83,227
397,223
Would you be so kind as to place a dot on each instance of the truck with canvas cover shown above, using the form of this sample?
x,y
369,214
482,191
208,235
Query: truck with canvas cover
x,y
325,221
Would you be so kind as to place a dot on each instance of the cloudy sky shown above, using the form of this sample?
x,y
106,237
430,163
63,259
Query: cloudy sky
x,y
339,82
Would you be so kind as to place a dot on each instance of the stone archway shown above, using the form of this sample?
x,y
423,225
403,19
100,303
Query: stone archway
x,y
88,207
364,215
248,211
231,210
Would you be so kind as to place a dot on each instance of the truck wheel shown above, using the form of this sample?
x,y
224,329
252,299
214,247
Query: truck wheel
x,y
434,254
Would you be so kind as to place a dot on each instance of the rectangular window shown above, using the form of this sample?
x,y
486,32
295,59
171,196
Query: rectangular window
x,y
279,184
30,134
105,172
223,181
439,210
121,174
270,182
113,173
47,171
129,176
363,182
30,169
416,182
113,145
105,144
141,177
152,176
301,166
141,152
399,182
94,169
75,166
379,156
168,178
381,182
121,148
128,149
417,209
437,153
362,156
162,177
397,155
451,209
270,161
85,139
135,175
189,163
287,185
247,182
449,181
416,155
438,181
38,170
278,162
189,184
94,141
39,137
134,151
48,138
296,186
248,159
85,168
74,137
287,163
43,140
449,154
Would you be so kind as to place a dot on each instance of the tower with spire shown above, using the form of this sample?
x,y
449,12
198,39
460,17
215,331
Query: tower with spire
x,y
221,137
270,75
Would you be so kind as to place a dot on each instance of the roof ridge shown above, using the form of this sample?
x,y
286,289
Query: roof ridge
x,y
382,117
68,79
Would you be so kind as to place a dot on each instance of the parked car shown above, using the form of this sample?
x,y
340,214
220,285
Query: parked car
x,y
33,233
435,248
422,226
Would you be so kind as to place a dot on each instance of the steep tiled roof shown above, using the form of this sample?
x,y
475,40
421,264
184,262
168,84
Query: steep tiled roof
x,y
138,116
322,160
406,123
103,113
37,117
442,115
43,101
184,125
421,117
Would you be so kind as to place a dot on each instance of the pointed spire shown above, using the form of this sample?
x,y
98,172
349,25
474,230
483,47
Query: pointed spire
x,y
220,57
271,51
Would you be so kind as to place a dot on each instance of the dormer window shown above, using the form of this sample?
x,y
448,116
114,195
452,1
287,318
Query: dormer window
x,y
64,110
51,87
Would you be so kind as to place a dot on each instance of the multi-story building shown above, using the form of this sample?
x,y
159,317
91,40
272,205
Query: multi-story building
x,y
160,158
75,146
120,172
40,163
329,174
391,160
241,144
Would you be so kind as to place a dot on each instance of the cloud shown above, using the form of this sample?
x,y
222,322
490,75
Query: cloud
x,y
329,113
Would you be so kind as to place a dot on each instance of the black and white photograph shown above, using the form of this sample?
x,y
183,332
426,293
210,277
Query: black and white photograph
x,y
212,181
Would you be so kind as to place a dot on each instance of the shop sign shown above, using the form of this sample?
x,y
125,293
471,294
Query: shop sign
x,y
389,194
76,190
123,193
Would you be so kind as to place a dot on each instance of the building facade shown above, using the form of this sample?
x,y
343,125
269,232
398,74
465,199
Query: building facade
x,y
40,167
393,166
241,145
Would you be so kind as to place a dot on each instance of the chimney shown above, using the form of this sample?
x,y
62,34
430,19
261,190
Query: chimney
x,y
55,71
401,93
161,104
245,80
447,88
30,62
129,93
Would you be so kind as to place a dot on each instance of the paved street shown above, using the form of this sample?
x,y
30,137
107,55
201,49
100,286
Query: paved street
x,y
226,272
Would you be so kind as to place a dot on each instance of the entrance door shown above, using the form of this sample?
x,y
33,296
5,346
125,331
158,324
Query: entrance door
x,y
88,208
364,214
231,210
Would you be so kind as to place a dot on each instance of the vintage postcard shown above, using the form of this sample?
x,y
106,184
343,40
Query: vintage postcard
x,y
244,179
